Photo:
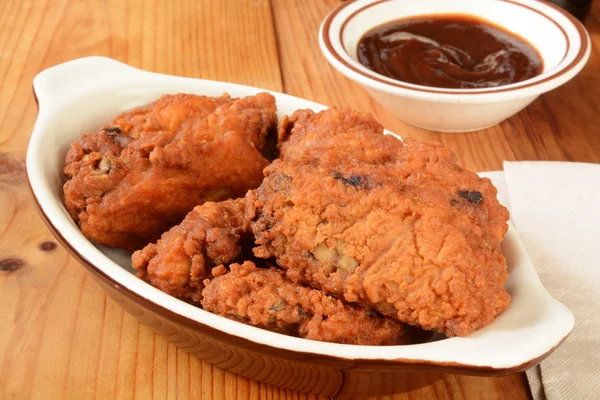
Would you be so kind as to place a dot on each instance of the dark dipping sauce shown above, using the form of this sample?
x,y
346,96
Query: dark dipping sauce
x,y
449,51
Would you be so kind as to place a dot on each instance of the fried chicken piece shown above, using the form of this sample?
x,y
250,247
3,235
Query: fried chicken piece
x,y
401,228
182,259
138,176
335,136
265,298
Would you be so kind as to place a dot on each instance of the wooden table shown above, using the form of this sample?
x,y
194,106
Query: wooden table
x,y
60,337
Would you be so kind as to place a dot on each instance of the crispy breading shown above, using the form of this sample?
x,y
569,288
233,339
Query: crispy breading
x,y
136,177
361,216
265,298
183,258
337,136
413,234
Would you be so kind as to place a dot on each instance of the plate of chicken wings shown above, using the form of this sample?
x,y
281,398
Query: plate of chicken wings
x,y
280,228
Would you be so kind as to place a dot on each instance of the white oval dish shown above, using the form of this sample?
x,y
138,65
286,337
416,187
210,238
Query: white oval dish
x,y
562,41
83,94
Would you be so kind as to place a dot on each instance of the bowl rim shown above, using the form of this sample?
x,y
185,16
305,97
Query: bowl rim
x,y
536,85
103,267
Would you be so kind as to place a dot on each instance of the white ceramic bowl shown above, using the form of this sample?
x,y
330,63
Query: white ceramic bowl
x,y
81,95
561,40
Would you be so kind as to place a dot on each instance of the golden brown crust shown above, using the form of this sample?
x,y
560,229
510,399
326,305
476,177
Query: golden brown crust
x,y
399,227
184,256
336,136
266,298
140,175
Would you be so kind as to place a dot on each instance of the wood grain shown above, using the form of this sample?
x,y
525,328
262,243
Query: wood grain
x,y
60,336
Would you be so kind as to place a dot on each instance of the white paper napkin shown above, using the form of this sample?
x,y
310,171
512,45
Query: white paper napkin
x,y
555,207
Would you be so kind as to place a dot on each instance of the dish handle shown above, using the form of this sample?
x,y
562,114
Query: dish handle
x,y
63,81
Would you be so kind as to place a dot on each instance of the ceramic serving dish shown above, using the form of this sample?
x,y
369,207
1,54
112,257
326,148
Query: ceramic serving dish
x,y
81,95
561,40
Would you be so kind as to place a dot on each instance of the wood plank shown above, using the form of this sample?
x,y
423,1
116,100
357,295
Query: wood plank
x,y
60,336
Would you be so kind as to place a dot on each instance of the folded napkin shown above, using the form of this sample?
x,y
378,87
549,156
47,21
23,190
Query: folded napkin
x,y
555,207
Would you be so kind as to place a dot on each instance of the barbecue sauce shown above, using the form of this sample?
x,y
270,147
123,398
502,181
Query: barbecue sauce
x,y
449,51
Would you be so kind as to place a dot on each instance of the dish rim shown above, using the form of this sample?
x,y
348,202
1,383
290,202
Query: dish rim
x,y
157,301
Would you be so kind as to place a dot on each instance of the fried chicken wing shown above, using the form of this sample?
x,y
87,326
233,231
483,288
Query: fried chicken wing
x,y
265,298
138,176
182,259
408,231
